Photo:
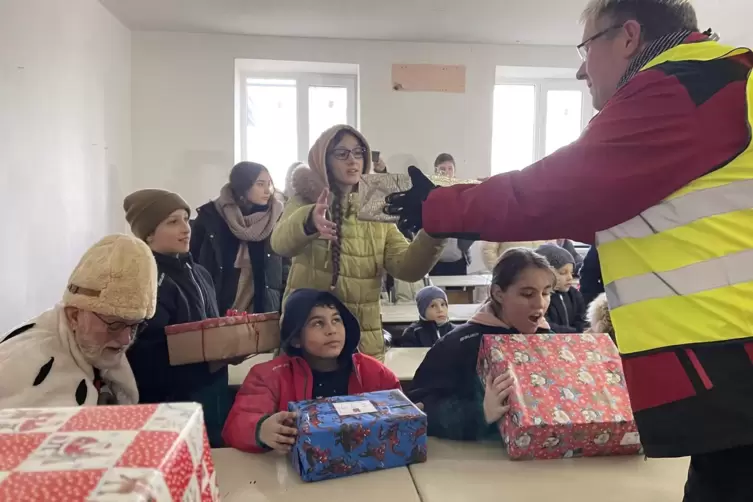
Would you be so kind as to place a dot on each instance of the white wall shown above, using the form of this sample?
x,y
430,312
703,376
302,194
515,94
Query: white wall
x,y
183,102
65,147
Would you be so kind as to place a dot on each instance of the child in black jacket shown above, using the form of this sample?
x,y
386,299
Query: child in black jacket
x,y
457,404
567,311
433,321
185,294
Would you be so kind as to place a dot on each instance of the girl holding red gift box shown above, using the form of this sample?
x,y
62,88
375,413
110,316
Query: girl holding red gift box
x,y
457,405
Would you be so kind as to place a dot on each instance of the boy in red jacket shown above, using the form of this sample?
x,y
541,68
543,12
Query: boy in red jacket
x,y
319,338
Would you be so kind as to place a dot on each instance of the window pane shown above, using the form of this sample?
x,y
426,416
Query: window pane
x,y
328,106
271,127
563,118
513,133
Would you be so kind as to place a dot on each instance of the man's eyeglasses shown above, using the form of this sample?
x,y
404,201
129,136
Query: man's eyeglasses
x,y
344,153
117,327
583,46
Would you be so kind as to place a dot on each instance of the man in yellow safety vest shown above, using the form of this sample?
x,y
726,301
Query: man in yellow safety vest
x,y
661,181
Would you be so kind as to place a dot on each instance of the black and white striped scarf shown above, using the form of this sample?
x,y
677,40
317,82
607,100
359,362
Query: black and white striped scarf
x,y
651,51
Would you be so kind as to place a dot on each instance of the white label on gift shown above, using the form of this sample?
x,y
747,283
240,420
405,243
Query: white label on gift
x,y
354,408
630,438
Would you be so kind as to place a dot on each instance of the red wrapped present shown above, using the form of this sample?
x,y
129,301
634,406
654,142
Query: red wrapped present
x,y
145,453
569,398
223,338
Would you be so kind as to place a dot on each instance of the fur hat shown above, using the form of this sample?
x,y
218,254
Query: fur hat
x,y
557,256
146,209
427,295
599,317
116,277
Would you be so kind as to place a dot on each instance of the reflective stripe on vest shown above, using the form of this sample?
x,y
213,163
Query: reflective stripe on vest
x,y
681,272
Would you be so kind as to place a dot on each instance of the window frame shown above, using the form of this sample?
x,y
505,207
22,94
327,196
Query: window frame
x,y
540,89
304,80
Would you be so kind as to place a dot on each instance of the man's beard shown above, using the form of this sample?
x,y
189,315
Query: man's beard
x,y
99,357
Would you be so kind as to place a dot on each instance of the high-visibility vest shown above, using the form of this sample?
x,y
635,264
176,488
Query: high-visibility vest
x,y
681,272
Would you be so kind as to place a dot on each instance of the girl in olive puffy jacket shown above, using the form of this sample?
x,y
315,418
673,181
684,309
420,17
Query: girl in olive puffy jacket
x,y
351,256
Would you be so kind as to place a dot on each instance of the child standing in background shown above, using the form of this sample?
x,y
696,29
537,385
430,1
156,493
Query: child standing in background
x,y
331,249
434,322
319,340
567,311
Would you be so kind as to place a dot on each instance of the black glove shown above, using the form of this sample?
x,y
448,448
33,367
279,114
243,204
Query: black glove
x,y
407,205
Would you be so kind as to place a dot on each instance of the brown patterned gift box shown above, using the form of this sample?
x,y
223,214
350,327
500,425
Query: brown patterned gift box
x,y
373,188
150,453
223,338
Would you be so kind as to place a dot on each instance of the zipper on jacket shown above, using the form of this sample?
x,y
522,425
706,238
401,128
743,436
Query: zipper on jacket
x,y
564,308
201,293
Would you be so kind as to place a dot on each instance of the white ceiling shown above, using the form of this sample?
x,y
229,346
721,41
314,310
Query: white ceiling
x,y
541,22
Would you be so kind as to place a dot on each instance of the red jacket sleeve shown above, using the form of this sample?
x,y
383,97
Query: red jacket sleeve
x,y
649,141
256,399
388,380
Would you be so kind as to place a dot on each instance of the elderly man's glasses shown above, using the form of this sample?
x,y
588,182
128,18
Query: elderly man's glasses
x,y
344,153
116,327
583,46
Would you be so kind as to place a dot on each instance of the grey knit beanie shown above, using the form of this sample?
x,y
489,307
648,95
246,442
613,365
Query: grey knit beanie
x,y
557,256
427,295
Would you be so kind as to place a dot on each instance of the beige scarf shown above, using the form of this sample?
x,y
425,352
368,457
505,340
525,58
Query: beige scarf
x,y
247,228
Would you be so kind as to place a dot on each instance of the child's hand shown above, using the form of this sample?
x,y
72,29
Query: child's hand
x,y
323,226
495,396
276,431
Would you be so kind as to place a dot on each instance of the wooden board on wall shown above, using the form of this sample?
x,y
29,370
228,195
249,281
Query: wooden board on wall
x,y
428,78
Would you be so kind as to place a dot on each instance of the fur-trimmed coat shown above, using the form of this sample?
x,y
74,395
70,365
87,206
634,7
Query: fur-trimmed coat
x,y
598,316
368,249
41,366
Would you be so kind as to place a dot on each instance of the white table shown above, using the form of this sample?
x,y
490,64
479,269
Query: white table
x,y
269,477
454,470
237,373
408,313
461,281
404,361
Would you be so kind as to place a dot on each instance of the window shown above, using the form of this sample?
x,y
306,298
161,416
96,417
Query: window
x,y
533,119
282,115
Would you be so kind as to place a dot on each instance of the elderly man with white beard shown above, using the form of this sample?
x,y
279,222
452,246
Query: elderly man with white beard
x,y
74,353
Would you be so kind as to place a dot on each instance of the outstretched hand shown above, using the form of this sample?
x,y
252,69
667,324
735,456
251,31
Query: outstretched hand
x,y
326,229
407,205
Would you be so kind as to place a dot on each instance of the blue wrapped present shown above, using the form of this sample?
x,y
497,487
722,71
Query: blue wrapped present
x,y
346,435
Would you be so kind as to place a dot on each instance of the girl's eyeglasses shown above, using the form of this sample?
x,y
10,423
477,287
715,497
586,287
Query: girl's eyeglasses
x,y
344,153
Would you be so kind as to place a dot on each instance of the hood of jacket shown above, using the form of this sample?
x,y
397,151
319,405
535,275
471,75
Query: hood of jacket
x,y
297,309
309,181
599,317
486,317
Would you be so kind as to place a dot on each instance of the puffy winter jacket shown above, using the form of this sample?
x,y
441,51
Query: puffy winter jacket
x,y
368,249
269,387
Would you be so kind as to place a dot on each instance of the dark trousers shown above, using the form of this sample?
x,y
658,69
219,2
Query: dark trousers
x,y
722,476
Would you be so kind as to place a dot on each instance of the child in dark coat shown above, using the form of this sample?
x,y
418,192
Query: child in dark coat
x,y
458,406
567,310
433,321
185,294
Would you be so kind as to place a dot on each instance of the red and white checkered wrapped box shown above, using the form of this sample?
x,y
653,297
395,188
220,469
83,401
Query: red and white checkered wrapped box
x,y
144,453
